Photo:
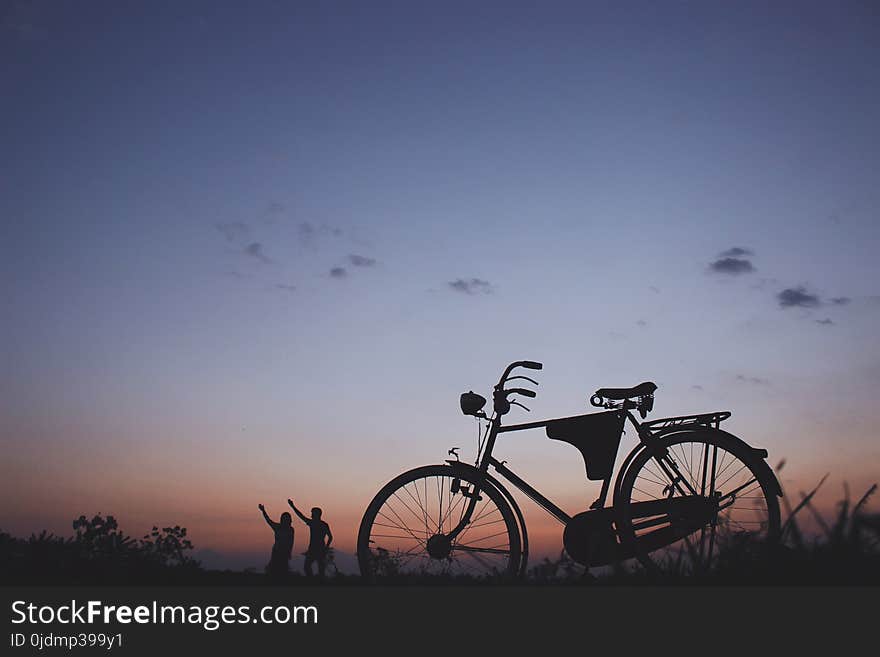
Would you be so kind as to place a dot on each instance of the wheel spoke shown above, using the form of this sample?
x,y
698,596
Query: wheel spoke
x,y
489,550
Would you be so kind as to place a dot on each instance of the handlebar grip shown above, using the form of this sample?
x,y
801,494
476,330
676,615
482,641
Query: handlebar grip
x,y
521,391
532,365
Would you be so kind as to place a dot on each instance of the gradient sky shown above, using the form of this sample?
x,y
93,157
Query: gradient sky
x,y
256,250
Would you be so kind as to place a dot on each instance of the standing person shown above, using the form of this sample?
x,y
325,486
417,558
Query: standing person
x,y
279,563
318,530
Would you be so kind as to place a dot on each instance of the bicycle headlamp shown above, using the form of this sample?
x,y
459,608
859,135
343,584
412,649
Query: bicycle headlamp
x,y
471,403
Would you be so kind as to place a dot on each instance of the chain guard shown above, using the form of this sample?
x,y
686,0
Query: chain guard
x,y
590,537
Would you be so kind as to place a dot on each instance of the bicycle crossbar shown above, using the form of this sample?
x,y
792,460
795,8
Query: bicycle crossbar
x,y
530,492
522,427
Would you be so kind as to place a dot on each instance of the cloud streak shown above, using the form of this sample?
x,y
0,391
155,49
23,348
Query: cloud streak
x,y
736,252
755,380
255,250
361,261
802,297
234,231
273,212
308,233
732,266
797,297
471,286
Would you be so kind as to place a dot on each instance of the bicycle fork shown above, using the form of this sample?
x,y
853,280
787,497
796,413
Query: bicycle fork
x,y
473,493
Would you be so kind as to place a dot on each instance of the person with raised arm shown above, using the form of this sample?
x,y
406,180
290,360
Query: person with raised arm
x,y
279,562
318,547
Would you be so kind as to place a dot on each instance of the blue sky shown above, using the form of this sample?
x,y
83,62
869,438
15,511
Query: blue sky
x,y
258,250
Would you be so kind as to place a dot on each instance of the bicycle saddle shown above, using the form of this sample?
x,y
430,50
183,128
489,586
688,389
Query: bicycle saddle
x,y
641,390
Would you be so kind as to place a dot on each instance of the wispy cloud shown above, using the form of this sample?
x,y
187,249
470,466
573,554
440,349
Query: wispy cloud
x,y
839,301
361,261
641,323
338,272
308,233
471,286
736,252
255,250
273,212
825,322
797,297
763,283
285,287
755,380
732,266
234,231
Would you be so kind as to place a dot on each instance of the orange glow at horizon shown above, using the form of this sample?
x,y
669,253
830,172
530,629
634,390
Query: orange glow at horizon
x,y
221,515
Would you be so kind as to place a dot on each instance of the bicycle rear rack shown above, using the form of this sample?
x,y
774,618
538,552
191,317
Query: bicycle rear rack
x,y
703,419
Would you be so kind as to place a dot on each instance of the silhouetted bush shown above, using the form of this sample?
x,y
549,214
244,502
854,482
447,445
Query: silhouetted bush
x,y
98,553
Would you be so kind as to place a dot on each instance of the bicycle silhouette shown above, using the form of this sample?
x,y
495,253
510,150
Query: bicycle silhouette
x,y
686,487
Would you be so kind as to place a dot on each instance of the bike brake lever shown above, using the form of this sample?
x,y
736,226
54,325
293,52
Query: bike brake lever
x,y
520,376
516,403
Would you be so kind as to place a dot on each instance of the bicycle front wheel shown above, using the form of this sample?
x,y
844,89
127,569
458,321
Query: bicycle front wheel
x,y
405,529
709,497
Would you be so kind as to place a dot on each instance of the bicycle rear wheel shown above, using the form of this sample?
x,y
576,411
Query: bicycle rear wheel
x,y
404,530
709,498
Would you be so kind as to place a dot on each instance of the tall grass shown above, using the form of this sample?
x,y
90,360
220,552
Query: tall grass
x,y
841,547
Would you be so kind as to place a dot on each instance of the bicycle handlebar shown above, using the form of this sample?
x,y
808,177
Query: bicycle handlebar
x,y
500,396
521,391
530,364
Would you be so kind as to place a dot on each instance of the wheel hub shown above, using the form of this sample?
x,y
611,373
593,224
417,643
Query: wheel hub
x,y
439,546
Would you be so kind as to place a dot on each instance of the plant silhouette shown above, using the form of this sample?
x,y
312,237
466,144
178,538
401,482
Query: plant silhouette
x,y
845,550
98,552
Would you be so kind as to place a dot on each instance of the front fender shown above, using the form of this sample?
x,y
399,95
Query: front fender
x,y
476,473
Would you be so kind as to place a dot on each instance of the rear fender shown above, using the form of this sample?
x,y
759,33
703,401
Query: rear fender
x,y
759,454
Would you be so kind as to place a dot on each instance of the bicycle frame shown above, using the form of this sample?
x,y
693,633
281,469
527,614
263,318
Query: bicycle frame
x,y
487,460
646,440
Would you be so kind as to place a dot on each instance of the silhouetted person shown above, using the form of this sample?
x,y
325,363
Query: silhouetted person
x,y
279,562
318,530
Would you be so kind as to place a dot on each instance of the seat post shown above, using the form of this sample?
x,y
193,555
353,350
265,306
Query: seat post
x,y
600,502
